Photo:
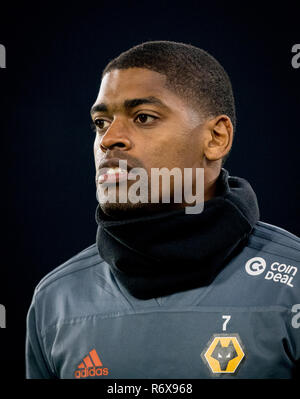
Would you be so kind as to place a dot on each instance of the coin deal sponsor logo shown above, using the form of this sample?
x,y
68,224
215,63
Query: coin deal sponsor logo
x,y
223,354
276,272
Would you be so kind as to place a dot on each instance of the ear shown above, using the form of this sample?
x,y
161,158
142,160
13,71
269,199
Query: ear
x,y
219,137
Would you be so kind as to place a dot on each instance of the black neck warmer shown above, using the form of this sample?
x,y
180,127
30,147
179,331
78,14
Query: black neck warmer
x,y
167,252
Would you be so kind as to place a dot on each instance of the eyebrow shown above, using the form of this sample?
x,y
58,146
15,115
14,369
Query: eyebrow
x,y
129,104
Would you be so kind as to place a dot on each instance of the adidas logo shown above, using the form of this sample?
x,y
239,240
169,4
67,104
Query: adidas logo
x,y
91,366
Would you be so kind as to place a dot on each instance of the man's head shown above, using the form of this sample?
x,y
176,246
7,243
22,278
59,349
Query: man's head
x,y
163,104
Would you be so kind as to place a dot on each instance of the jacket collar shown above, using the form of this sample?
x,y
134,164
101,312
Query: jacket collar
x,y
160,254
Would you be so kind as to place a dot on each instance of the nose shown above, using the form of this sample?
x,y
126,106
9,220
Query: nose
x,y
116,136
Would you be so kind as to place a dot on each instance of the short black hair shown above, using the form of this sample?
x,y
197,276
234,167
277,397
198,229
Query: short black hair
x,y
191,73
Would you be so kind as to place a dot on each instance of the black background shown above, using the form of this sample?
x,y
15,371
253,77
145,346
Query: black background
x,y
55,55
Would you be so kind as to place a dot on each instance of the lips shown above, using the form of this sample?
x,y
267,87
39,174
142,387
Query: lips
x,y
113,175
113,170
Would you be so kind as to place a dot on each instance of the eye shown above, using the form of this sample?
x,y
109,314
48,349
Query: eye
x,y
144,118
99,124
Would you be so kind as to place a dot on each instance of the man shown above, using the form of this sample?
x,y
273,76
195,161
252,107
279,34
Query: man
x,y
166,293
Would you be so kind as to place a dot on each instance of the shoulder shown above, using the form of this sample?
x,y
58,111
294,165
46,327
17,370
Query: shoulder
x,y
73,269
275,241
271,262
81,287
264,273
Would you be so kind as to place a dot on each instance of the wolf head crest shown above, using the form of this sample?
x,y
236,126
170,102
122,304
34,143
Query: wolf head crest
x,y
223,354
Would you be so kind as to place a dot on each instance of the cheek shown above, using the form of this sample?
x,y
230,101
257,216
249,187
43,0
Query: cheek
x,y
97,151
174,150
186,149
164,155
157,152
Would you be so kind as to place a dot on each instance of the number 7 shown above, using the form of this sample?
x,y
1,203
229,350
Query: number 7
x,y
227,318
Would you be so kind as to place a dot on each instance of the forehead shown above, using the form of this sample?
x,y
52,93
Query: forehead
x,y
131,82
121,85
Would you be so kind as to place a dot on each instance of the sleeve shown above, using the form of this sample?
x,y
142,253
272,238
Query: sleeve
x,y
37,366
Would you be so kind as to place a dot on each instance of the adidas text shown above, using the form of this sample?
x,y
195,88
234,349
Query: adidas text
x,y
91,372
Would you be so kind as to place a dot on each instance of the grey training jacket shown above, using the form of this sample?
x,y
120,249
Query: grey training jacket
x,y
246,324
